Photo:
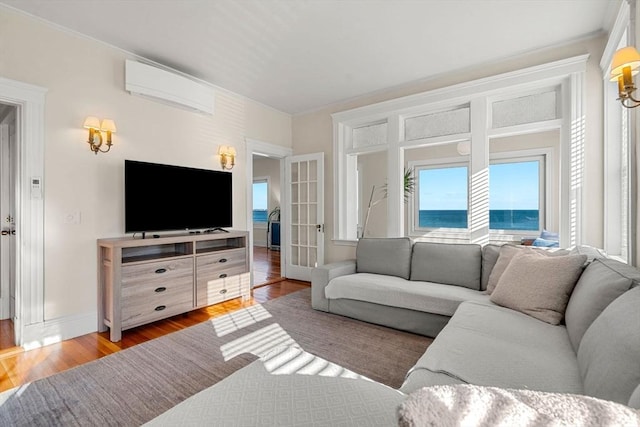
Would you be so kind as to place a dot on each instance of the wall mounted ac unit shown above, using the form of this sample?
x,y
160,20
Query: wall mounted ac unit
x,y
168,88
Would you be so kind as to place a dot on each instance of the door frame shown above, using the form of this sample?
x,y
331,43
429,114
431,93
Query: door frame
x,y
29,212
273,151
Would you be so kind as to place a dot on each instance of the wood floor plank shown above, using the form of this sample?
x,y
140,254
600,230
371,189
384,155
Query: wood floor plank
x,y
18,367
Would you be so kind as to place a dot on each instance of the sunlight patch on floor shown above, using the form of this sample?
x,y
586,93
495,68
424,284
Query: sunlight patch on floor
x,y
294,360
239,319
14,393
258,343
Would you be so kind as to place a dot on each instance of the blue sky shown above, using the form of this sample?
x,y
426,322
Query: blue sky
x,y
512,186
260,196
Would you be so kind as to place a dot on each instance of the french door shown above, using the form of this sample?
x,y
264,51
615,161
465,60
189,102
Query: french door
x,y
305,234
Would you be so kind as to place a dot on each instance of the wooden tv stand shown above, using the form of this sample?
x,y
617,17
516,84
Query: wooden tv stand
x,y
144,280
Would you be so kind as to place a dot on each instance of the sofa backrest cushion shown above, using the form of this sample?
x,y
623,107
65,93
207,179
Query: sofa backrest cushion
x,y
390,256
602,281
447,263
634,400
609,354
490,254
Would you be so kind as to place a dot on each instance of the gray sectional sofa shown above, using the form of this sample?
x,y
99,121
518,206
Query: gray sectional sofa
x,y
439,290
522,337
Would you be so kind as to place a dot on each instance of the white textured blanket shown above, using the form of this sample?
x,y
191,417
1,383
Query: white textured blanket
x,y
468,405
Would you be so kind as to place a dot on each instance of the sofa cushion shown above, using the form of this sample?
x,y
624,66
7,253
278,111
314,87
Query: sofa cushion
x,y
490,254
451,264
507,252
539,285
602,281
396,292
609,354
390,256
634,400
590,251
287,390
494,346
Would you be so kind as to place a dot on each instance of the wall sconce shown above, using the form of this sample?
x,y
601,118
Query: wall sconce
x,y
624,66
95,133
227,156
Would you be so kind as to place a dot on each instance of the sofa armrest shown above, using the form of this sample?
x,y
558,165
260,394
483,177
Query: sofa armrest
x,y
321,276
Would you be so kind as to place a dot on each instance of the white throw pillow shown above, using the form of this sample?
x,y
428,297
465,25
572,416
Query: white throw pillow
x,y
470,405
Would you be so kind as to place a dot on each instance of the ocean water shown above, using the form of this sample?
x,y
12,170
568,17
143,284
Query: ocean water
x,y
498,219
260,215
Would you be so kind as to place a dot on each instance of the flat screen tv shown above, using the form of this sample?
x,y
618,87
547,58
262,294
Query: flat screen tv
x,y
164,197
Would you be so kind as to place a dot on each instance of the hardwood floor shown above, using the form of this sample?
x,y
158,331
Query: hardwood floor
x,y
266,266
18,366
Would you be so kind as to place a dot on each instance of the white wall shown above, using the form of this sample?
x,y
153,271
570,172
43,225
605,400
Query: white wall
x,y
312,132
372,172
84,77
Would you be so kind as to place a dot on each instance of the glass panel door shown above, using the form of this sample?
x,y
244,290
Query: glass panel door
x,y
305,237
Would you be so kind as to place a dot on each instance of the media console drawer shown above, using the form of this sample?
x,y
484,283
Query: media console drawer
x,y
157,272
218,276
142,281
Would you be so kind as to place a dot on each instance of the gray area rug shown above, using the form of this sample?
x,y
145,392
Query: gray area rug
x,y
133,386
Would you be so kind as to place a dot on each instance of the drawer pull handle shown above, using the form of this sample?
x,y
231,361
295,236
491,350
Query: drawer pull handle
x,y
223,260
223,275
160,289
223,291
160,307
161,270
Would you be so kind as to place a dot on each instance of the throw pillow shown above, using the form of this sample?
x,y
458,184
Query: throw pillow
x,y
472,405
507,252
549,235
539,286
544,243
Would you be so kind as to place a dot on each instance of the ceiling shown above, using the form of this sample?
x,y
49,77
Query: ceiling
x,y
300,55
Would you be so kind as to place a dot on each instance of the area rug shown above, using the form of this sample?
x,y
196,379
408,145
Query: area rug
x,y
133,386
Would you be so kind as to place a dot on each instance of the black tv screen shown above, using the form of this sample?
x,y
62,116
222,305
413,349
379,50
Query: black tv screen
x,y
164,197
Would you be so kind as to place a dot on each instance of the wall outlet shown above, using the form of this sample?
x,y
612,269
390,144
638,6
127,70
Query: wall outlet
x,y
72,217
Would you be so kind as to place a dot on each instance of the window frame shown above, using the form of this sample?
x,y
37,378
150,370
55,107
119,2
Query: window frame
x,y
545,204
620,164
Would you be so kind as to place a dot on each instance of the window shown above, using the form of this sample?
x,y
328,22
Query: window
x,y
442,197
514,195
471,129
260,202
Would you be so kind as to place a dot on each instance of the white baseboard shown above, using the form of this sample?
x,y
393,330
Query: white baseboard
x,y
60,329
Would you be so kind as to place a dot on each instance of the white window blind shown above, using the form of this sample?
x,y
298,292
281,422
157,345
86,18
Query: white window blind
x,y
437,124
525,109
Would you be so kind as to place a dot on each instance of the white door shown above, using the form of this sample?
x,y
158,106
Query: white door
x,y
304,236
7,226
